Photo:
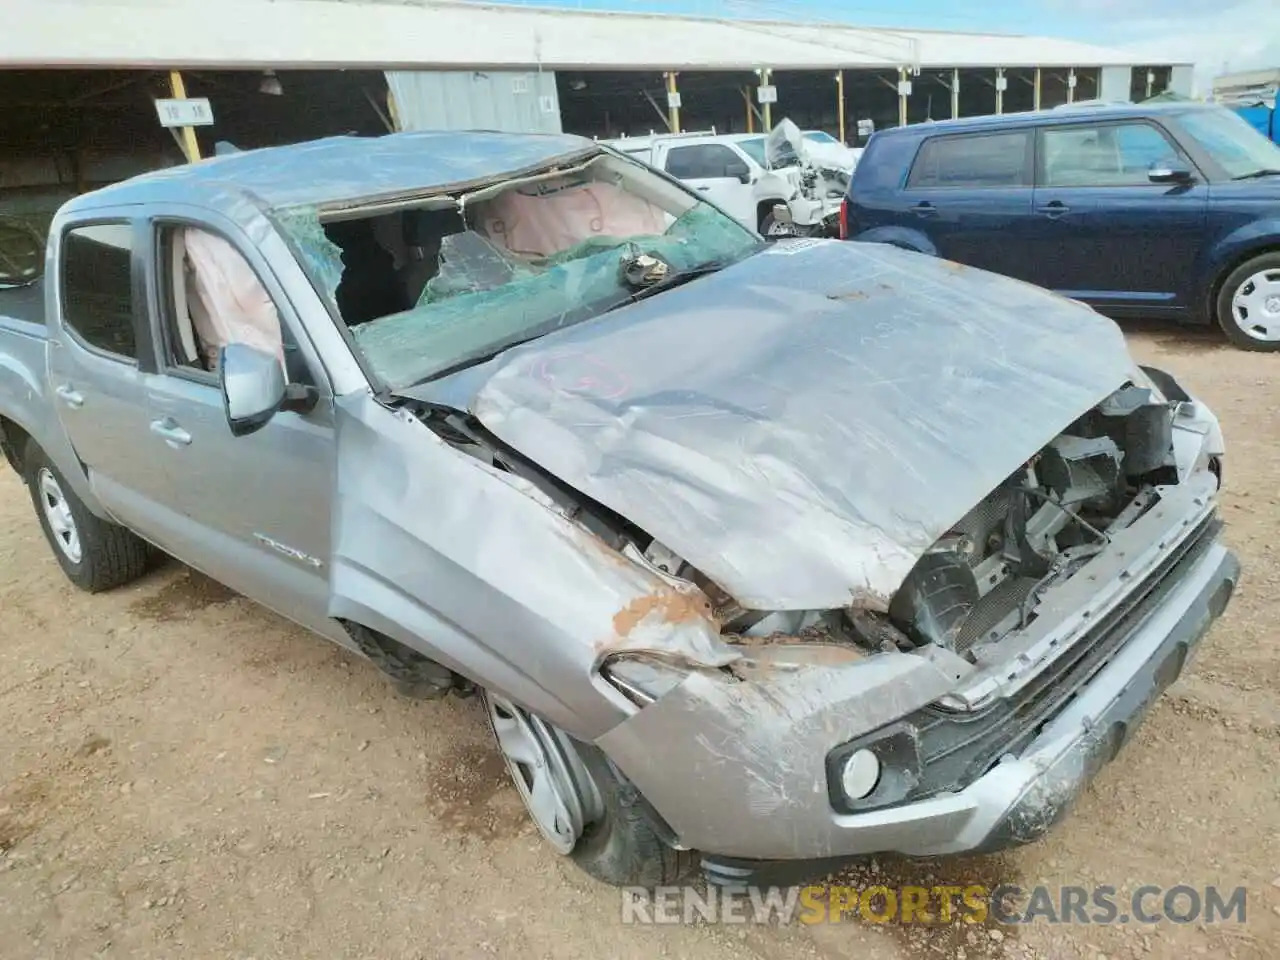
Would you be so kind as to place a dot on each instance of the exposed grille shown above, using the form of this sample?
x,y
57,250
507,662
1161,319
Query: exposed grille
x,y
958,748
955,749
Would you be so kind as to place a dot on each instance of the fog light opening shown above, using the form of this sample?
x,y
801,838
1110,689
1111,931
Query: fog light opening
x,y
860,774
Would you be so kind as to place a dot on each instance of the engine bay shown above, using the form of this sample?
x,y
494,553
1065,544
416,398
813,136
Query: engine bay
x,y
983,579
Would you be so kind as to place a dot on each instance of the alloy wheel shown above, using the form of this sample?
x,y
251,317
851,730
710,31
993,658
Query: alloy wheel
x,y
548,773
1255,306
57,512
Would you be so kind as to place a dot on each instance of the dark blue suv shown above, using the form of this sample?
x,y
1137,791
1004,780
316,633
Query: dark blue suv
x,y
1169,210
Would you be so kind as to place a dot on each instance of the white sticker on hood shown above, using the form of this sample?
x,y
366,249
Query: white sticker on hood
x,y
786,248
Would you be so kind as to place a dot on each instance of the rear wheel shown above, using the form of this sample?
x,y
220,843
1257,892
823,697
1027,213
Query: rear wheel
x,y
95,554
580,803
772,229
1248,307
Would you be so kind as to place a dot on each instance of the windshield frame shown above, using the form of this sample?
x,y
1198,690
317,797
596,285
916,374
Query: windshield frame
x,y
1192,125
756,151
283,221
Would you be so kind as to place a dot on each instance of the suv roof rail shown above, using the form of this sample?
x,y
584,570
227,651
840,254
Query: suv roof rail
x,y
1094,103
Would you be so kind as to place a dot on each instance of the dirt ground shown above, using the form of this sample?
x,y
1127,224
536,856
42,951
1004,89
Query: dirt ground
x,y
182,774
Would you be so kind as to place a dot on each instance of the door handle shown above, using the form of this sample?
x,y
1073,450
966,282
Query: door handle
x,y
704,189
925,209
169,431
1053,209
70,396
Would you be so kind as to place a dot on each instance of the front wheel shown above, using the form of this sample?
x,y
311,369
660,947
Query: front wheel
x,y
772,229
580,803
95,554
1248,307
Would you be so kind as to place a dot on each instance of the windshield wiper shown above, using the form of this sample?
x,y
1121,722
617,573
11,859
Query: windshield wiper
x,y
1264,172
678,278
482,356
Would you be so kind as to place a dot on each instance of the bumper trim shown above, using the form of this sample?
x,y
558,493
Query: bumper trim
x,y
1018,800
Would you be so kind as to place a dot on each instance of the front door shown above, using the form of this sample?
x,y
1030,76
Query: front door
x,y
706,168
95,372
257,507
1105,233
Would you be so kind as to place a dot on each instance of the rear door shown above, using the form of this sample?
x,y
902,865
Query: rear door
x,y
971,194
95,371
1104,232
706,167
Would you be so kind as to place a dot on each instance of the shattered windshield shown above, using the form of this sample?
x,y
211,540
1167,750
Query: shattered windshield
x,y
430,288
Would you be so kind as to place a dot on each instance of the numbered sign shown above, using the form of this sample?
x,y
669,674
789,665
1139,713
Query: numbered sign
x,y
195,112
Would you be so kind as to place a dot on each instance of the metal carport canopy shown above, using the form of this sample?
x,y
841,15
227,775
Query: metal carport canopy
x,y
449,35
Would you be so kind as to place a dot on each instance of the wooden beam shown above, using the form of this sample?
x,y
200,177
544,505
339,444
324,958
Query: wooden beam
x,y
902,99
673,112
766,79
840,101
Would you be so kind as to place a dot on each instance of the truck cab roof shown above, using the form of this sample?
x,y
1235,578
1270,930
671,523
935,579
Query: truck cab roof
x,y
336,169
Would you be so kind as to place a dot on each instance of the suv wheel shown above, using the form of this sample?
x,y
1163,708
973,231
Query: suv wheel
x,y
580,803
1248,308
95,554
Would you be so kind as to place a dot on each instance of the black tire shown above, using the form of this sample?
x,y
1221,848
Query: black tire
x,y
1237,333
109,555
412,674
623,847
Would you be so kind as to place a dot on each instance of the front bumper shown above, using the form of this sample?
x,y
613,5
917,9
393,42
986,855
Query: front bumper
x,y
1022,797
754,815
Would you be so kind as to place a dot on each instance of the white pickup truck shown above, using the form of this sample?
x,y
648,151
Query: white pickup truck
x,y
749,174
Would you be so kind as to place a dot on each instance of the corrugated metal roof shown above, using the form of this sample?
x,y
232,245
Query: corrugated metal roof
x,y
416,35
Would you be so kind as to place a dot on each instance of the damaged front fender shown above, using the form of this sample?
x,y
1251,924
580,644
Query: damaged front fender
x,y
477,569
754,740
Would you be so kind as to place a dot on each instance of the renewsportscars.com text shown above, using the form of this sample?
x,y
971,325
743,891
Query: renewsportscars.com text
x,y
975,903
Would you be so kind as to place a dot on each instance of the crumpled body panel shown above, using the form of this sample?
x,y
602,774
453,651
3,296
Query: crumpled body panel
x,y
803,425
477,570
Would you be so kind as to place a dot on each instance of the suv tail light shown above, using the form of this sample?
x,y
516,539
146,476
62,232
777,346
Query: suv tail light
x,y
844,219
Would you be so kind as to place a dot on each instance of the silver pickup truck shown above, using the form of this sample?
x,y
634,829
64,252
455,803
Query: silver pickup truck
x,y
782,553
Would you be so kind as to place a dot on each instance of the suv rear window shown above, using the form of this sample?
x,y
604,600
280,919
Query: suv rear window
x,y
974,160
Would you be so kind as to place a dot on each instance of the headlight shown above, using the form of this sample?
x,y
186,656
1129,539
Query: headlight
x,y
642,680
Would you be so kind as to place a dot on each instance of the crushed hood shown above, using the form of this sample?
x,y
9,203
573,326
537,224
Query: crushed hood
x,y
803,425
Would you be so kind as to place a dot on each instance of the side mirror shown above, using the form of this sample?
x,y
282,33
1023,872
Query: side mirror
x,y
21,253
1170,172
253,387
738,171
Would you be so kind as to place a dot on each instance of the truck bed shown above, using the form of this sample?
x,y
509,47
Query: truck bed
x,y
22,309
